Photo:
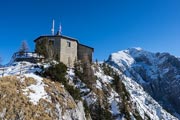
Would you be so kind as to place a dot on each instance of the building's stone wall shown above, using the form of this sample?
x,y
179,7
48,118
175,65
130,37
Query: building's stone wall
x,y
57,45
84,52
68,54
53,49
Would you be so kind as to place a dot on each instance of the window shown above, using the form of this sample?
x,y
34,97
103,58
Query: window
x,y
51,42
68,44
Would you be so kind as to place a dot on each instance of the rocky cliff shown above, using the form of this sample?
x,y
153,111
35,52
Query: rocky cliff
x,y
157,73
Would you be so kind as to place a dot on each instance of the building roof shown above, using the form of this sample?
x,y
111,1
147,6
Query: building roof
x,y
87,46
65,37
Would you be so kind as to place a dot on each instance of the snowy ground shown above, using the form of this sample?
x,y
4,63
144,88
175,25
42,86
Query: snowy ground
x,y
142,101
23,70
101,83
65,106
38,89
145,104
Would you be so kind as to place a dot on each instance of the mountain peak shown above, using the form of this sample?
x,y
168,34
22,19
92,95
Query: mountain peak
x,y
127,57
135,48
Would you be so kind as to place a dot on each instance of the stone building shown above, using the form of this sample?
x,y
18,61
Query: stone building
x,y
63,48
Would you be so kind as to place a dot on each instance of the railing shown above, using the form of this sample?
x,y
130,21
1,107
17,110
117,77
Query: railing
x,y
27,56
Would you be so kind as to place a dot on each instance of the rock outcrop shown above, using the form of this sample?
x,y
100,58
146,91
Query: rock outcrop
x,y
158,73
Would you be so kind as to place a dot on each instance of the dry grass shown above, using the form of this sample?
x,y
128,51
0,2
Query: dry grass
x,y
59,94
29,81
17,106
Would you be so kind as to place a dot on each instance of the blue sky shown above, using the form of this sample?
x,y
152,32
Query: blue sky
x,y
106,25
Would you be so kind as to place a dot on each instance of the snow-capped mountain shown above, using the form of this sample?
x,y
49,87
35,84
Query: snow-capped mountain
x,y
157,73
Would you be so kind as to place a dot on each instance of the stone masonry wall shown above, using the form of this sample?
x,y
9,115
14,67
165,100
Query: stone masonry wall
x,y
84,52
68,54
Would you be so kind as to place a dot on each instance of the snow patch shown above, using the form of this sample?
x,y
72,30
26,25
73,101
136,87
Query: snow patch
x,y
144,103
36,91
122,58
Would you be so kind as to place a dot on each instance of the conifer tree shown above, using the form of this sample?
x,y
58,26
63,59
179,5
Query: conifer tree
x,y
84,72
24,47
88,73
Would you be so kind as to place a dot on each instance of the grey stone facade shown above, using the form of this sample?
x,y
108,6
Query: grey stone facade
x,y
84,52
65,49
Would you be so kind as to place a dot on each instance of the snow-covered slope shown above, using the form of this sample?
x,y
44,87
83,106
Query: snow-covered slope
x,y
25,95
157,73
115,92
102,94
140,103
144,103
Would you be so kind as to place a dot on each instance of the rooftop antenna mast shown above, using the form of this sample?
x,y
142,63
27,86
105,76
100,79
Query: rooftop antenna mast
x,y
60,29
52,30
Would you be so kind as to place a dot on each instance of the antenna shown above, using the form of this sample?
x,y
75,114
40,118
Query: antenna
x,y
52,30
60,29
